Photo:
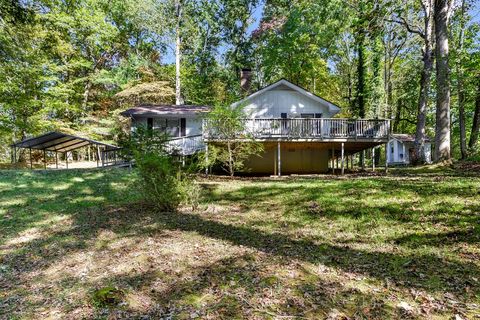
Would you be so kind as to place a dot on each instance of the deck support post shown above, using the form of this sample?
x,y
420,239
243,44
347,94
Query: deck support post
x,y
343,158
279,159
373,159
386,157
206,159
44,159
333,159
31,164
362,160
274,162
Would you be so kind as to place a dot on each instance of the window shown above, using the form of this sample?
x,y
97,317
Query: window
x,y
173,127
170,126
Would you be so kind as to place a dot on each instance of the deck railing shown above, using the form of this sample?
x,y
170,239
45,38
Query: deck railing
x,y
185,145
304,128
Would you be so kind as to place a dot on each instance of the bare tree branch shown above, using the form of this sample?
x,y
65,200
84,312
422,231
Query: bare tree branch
x,y
409,27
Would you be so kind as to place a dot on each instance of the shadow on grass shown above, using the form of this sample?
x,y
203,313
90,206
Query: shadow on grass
x,y
241,287
432,273
428,272
392,199
28,198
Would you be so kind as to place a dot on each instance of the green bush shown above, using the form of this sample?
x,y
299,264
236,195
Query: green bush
x,y
190,191
159,181
162,180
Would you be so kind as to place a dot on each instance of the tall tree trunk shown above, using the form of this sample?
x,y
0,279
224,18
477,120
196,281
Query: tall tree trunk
x,y
442,126
178,53
476,120
361,76
361,84
460,86
425,79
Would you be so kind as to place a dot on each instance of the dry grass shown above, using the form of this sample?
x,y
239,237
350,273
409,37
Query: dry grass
x,y
402,246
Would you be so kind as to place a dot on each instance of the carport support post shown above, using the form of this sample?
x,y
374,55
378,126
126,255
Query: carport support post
x,y
373,159
98,155
279,159
66,158
343,158
30,151
56,159
44,159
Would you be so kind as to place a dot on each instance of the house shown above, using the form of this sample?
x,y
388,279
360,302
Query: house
x,y
401,148
296,127
183,123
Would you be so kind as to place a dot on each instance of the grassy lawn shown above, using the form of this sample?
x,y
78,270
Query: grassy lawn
x,y
406,245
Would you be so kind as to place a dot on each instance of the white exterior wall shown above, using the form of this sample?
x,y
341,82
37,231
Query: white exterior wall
x,y
428,152
272,103
400,148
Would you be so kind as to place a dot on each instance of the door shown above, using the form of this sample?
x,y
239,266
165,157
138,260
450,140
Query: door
x,y
183,127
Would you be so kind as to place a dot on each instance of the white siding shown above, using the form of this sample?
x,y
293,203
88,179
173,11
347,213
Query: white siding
x,y
272,103
403,148
428,152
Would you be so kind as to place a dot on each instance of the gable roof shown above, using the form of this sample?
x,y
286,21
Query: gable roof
x,y
149,110
283,82
58,141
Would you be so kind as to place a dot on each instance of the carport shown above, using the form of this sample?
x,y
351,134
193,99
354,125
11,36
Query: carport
x,y
58,142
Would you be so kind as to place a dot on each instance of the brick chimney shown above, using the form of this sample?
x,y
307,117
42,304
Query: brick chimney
x,y
246,79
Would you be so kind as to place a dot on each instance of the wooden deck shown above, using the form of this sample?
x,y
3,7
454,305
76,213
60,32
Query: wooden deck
x,y
306,129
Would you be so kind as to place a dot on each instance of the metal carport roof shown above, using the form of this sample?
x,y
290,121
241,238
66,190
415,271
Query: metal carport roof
x,y
59,142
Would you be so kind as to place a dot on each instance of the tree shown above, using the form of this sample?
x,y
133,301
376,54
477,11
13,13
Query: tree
x,y
233,144
442,12
460,83
426,33
178,53
476,120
